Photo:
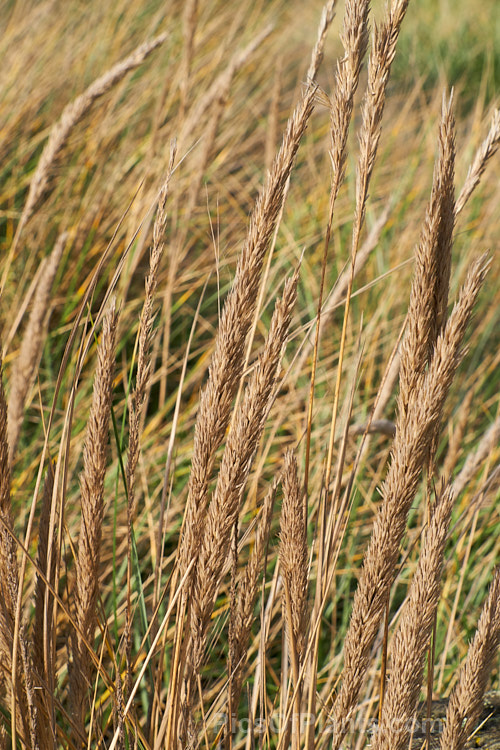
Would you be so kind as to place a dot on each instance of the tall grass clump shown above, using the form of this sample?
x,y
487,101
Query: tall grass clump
x,y
249,410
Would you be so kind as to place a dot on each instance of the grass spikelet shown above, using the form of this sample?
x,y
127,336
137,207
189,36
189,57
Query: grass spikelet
x,y
384,42
138,398
92,505
465,703
71,115
221,83
214,102
457,436
6,546
412,636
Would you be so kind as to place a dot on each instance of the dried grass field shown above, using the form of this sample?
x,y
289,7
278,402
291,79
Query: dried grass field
x,y
249,405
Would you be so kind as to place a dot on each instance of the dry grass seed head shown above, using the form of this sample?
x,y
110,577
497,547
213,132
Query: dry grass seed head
x,y
466,700
242,442
354,37
429,292
92,509
384,42
294,553
8,563
412,636
242,616
327,15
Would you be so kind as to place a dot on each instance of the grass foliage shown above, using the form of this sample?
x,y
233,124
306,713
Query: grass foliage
x,y
249,410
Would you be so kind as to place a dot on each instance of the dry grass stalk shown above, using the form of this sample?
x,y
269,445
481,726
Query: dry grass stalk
x,y
484,153
487,444
429,292
242,615
415,430
138,400
43,627
92,509
412,636
466,700
241,445
14,680
25,366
